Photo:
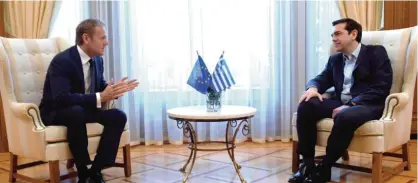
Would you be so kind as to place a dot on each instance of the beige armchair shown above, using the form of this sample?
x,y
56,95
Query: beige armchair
x,y
23,65
391,132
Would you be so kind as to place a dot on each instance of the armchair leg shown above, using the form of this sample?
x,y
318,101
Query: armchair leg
x,y
127,160
377,169
345,156
13,167
54,171
70,163
405,156
295,157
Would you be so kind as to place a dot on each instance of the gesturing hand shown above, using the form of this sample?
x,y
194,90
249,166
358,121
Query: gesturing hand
x,y
120,87
114,91
132,84
310,93
123,86
107,93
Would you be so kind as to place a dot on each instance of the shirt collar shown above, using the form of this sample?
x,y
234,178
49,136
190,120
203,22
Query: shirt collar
x,y
84,57
355,53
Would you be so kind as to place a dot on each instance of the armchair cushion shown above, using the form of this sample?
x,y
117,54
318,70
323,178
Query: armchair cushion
x,y
55,134
370,128
59,133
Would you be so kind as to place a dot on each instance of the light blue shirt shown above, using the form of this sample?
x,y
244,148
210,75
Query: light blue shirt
x,y
349,64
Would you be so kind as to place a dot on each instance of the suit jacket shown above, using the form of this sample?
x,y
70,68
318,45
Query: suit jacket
x,y
372,76
64,84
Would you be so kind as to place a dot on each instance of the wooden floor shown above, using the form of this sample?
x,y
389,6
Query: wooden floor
x,y
261,163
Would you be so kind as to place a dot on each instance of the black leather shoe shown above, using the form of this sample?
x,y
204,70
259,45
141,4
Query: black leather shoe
x,y
303,172
83,180
96,177
320,174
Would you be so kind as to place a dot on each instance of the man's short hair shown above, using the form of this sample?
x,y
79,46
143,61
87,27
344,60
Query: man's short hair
x,y
350,26
86,26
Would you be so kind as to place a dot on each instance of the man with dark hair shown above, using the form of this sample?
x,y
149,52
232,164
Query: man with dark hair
x,y
74,90
362,77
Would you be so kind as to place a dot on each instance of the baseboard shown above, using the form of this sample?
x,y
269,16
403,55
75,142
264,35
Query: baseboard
x,y
137,143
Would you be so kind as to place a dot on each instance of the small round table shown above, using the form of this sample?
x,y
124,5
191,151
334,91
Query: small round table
x,y
231,114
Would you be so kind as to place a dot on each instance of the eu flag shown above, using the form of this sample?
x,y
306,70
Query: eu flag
x,y
200,78
222,77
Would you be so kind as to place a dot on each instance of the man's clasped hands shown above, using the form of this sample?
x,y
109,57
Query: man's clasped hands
x,y
114,91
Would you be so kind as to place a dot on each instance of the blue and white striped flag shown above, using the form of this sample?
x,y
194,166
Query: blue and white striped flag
x,y
221,77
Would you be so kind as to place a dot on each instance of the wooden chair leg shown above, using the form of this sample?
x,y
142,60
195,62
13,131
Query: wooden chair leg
x,y
13,167
54,171
345,156
377,169
405,156
295,157
127,160
70,163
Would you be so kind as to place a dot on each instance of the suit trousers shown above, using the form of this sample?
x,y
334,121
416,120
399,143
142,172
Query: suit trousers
x,y
346,122
75,119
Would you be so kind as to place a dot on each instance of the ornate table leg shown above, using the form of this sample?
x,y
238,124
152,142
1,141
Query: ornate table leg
x,y
228,146
245,131
188,132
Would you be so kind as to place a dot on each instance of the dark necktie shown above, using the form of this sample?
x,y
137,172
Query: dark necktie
x,y
92,76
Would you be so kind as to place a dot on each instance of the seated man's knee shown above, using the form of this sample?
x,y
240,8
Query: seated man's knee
x,y
343,120
118,115
308,105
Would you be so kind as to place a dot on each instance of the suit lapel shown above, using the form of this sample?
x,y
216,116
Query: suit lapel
x,y
78,65
361,56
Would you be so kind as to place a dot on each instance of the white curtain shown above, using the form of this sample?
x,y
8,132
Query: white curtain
x,y
319,18
265,44
67,15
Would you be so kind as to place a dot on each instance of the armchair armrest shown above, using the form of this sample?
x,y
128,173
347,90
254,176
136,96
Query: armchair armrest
x,y
28,112
394,103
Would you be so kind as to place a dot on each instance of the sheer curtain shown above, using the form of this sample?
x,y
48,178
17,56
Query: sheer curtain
x,y
319,18
265,44
66,16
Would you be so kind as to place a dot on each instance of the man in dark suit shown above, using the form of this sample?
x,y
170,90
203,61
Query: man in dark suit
x,y
74,91
362,77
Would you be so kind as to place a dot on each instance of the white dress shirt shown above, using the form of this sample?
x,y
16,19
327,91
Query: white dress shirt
x,y
349,64
86,71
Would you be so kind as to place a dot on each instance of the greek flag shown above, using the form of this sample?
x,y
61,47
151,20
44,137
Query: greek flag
x,y
221,77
